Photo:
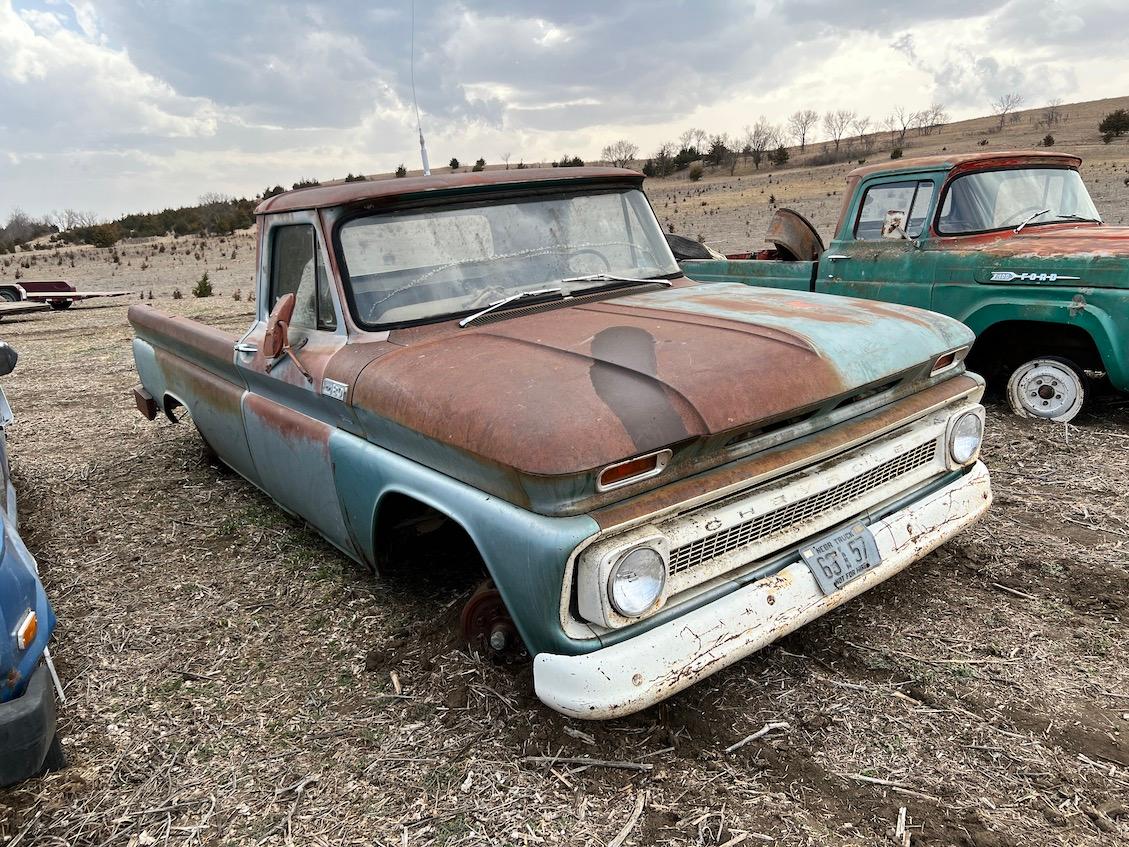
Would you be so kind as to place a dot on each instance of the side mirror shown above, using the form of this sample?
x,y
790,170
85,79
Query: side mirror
x,y
8,358
276,339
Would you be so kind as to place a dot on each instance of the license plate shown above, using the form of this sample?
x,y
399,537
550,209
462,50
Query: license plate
x,y
836,559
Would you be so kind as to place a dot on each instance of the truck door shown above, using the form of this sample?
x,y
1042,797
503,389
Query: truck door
x,y
289,415
877,251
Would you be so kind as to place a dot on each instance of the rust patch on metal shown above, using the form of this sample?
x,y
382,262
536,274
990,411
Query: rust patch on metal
x,y
964,162
578,388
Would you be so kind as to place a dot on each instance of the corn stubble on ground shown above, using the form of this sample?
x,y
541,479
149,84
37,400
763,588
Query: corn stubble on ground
x,y
229,673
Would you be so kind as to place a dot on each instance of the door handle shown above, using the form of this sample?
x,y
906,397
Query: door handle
x,y
836,257
244,347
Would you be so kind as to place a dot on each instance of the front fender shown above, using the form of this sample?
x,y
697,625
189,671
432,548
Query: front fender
x,y
525,553
1100,313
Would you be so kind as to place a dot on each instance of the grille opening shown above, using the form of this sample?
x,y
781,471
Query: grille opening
x,y
867,393
755,432
795,514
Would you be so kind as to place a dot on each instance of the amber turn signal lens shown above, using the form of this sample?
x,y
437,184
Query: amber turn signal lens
x,y
633,469
625,470
944,362
25,632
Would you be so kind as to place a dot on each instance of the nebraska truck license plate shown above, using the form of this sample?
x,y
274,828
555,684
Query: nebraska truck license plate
x,y
836,559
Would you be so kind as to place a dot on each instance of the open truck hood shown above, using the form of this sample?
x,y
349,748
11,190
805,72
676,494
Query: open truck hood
x,y
564,392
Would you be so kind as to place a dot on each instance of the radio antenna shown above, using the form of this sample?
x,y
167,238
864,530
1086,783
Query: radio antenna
x,y
415,100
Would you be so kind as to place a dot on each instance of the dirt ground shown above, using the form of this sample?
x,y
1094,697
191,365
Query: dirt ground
x,y
230,676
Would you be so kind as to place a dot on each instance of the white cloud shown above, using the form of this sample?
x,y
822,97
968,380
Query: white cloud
x,y
132,104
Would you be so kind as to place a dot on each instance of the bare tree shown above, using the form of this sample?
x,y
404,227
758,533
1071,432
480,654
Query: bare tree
x,y
801,123
861,128
938,117
73,218
760,138
837,123
899,121
1052,112
1005,104
505,157
620,153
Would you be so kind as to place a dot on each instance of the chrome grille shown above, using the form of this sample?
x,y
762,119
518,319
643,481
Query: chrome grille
x,y
787,517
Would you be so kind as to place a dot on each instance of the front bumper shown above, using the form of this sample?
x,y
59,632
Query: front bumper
x,y
641,671
27,728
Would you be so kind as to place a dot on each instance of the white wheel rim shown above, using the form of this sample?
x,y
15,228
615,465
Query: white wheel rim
x,y
1044,388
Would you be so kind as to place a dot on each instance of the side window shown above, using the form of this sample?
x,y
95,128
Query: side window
x,y
894,210
296,268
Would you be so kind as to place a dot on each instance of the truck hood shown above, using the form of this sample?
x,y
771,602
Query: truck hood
x,y
1082,256
569,390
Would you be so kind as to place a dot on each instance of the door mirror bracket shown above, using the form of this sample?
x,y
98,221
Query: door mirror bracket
x,y
276,339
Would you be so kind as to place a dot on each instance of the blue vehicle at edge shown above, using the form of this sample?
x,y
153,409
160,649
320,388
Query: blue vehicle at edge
x,y
28,741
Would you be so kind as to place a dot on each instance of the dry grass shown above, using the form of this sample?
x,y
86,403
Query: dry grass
x,y
228,673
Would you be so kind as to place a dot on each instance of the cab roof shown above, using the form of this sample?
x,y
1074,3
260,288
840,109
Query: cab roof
x,y
949,161
346,193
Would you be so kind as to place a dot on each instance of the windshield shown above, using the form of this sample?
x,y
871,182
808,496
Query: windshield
x,y
429,263
979,202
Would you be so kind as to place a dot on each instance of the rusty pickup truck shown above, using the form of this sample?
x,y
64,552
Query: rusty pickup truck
x,y
1009,243
659,476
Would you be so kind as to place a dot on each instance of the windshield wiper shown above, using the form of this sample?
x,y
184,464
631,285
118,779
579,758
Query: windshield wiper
x,y
505,301
1077,218
1030,218
613,278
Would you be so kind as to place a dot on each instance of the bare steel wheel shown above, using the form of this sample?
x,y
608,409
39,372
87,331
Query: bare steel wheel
x,y
1049,387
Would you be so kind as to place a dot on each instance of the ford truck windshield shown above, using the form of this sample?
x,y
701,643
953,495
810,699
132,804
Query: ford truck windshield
x,y
1005,199
425,264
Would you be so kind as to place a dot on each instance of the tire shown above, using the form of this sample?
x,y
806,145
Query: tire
x,y
9,296
55,760
59,305
1050,387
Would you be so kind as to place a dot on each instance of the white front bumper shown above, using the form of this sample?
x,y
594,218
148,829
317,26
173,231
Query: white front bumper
x,y
650,667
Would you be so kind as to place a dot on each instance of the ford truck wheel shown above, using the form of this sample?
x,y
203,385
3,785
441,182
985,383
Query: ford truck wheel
x,y
8,295
1050,388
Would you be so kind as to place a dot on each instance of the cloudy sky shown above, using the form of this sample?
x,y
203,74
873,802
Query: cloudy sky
x,y
125,105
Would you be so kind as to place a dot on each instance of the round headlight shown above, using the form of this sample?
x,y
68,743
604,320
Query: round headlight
x,y
964,440
636,581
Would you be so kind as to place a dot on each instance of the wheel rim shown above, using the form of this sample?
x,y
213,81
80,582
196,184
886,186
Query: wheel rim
x,y
1045,388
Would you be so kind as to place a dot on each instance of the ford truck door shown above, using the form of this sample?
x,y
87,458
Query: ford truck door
x,y
877,253
291,409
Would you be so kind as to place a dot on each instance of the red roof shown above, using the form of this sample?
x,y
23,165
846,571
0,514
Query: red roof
x,y
340,194
952,160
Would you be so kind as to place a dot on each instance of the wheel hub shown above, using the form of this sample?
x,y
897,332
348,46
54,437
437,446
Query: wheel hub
x,y
486,624
1047,389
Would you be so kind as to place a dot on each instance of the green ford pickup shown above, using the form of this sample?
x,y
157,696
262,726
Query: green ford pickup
x,y
1008,243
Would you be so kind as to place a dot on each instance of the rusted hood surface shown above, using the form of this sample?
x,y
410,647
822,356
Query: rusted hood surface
x,y
575,388
1111,241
